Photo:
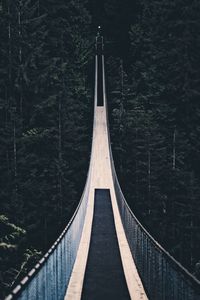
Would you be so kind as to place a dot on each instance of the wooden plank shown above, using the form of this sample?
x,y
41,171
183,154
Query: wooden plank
x,y
101,178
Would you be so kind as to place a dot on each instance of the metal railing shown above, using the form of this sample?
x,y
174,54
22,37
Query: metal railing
x,y
48,280
162,276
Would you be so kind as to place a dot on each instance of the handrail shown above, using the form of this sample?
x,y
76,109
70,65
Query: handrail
x,y
156,243
156,283
18,290
25,281
31,274
164,278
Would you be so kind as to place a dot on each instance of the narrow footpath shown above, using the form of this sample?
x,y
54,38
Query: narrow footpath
x,y
104,277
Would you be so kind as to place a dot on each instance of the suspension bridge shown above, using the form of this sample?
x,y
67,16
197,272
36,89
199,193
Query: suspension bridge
x,y
104,252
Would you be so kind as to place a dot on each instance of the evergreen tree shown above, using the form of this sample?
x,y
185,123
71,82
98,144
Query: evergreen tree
x,y
46,120
164,127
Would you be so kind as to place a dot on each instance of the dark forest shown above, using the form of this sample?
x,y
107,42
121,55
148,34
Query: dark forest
x,y
152,51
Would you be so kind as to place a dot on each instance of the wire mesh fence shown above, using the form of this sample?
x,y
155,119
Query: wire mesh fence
x,y
162,276
48,280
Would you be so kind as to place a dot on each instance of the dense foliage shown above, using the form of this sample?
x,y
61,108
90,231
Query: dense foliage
x,y
155,124
46,75
45,124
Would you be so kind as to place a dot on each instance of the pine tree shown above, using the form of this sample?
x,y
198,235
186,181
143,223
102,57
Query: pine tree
x,y
45,125
159,144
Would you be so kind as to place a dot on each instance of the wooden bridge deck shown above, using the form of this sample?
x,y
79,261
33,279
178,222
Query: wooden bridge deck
x,y
101,178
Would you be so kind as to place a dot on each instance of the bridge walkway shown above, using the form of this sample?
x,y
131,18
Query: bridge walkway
x,y
104,268
101,178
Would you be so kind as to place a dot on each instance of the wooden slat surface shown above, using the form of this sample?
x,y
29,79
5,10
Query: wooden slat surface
x,y
101,178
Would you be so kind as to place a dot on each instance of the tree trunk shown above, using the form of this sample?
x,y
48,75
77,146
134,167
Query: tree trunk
x,y
149,174
60,156
174,150
15,155
20,60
